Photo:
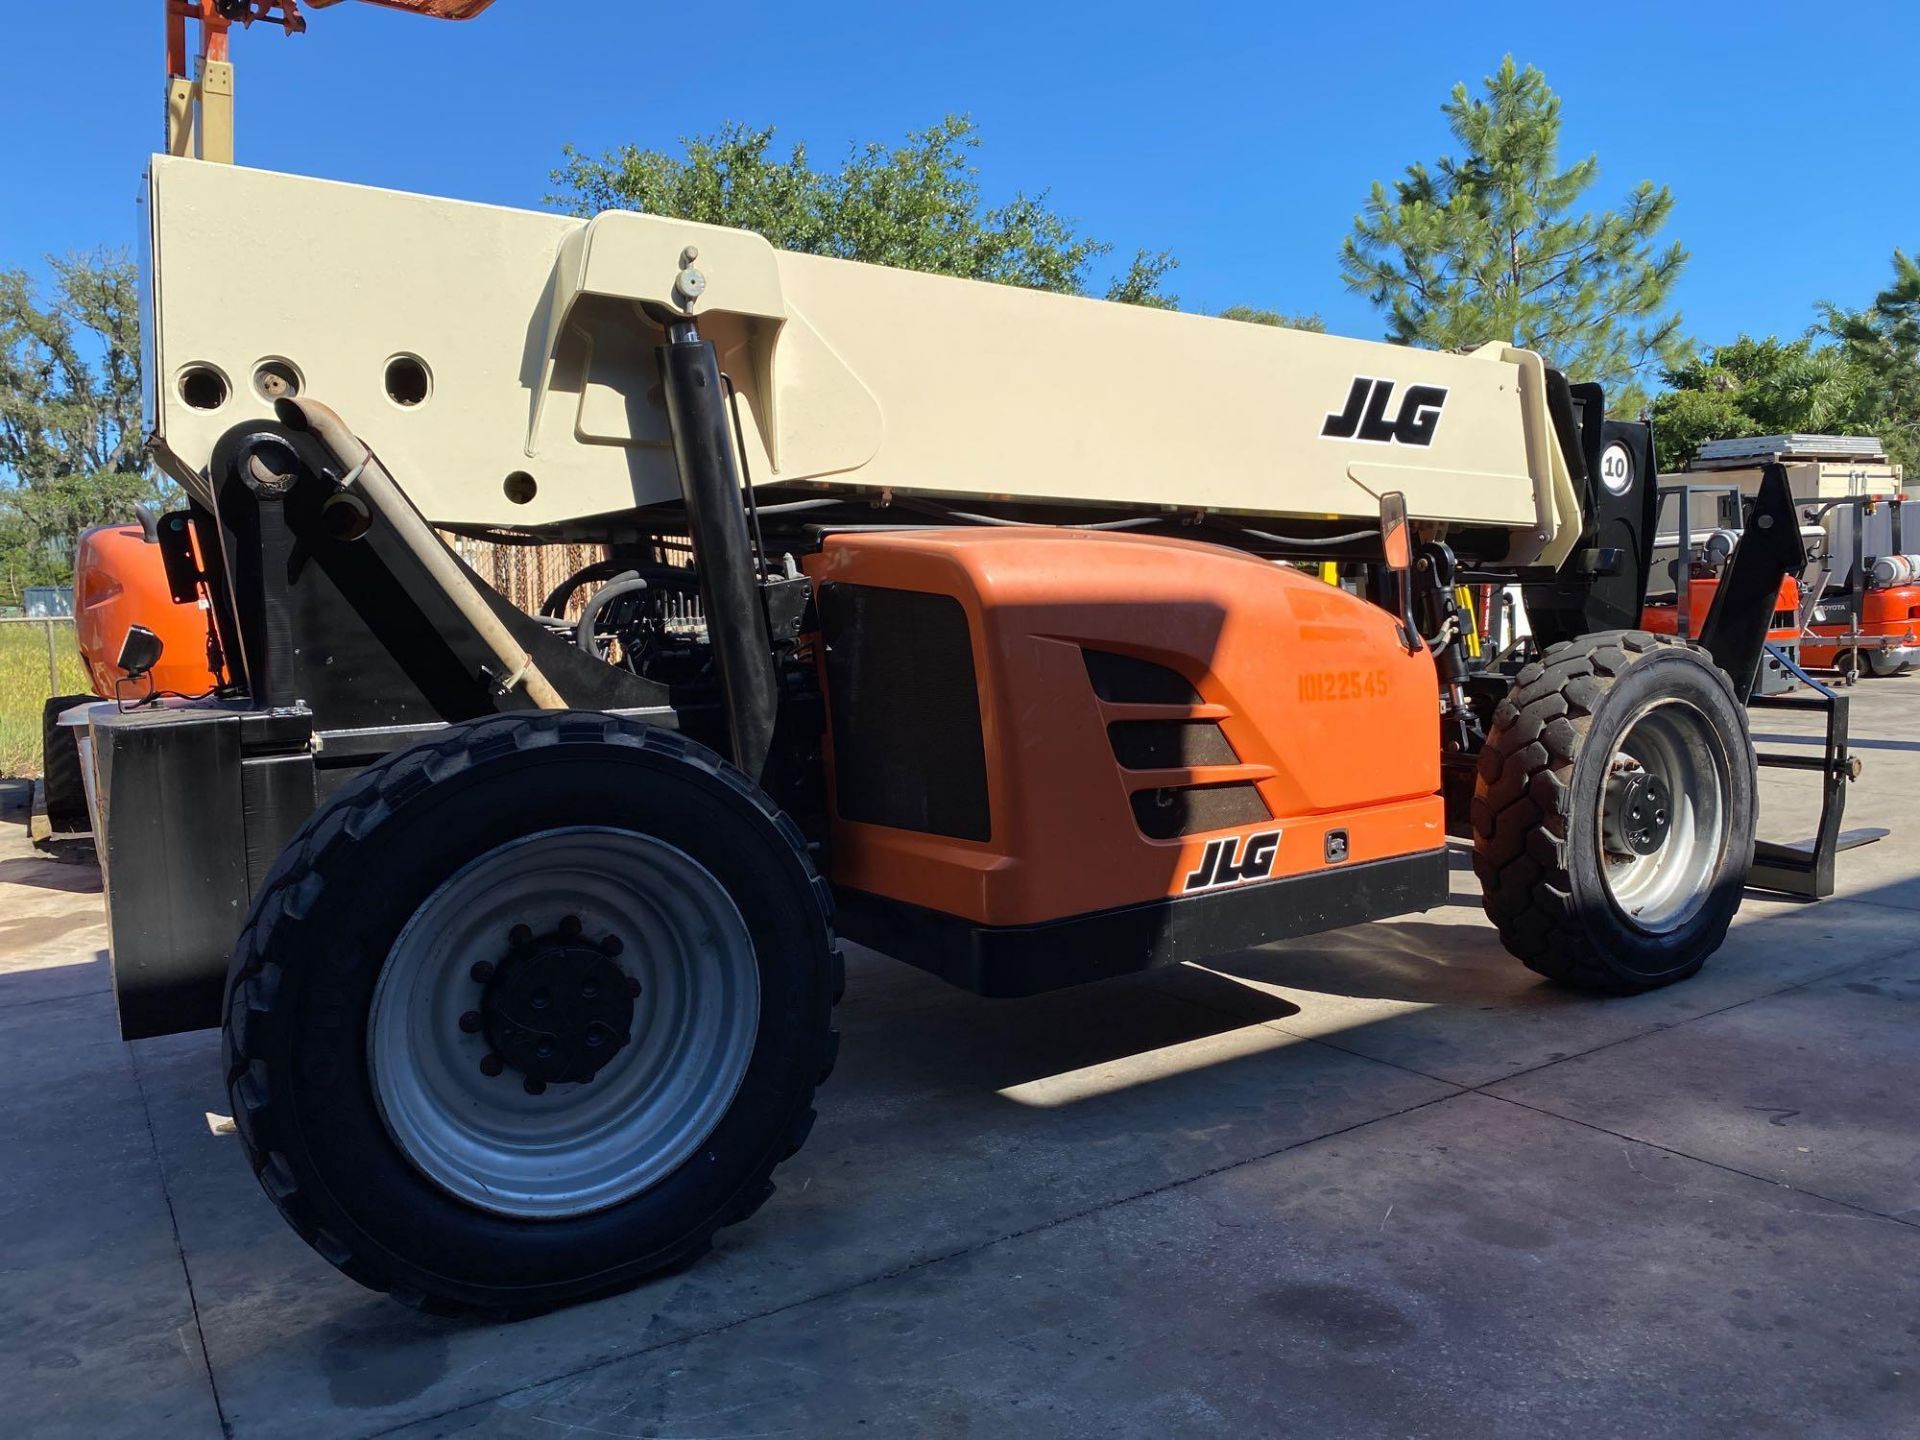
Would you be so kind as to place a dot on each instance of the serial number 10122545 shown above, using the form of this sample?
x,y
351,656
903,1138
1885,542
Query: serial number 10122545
x,y
1323,685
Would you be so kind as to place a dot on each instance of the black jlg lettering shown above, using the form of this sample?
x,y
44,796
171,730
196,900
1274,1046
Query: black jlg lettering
x,y
1365,414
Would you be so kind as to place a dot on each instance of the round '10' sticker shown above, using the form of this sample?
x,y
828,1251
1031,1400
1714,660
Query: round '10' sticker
x,y
1616,469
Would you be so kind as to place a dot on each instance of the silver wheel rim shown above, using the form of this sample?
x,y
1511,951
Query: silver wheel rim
x,y
1660,892
573,1148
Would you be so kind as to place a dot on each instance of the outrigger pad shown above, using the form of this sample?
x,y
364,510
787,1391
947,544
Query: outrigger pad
x,y
1770,549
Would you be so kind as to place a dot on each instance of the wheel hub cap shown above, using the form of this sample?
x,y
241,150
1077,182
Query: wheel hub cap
x,y
1638,814
557,1010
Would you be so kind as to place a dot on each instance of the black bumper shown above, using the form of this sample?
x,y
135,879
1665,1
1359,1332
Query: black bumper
x,y
195,802
1014,960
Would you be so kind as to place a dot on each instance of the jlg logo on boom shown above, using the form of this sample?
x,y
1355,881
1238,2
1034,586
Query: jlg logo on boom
x,y
1365,417
1219,865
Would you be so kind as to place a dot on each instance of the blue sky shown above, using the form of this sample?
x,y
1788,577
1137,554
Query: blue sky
x,y
1241,137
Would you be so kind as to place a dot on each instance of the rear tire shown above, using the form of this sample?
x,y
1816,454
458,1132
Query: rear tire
x,y
1562,808
363,1052
64,787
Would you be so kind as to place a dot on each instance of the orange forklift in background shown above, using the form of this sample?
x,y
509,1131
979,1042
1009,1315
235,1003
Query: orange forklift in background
x,y
141,633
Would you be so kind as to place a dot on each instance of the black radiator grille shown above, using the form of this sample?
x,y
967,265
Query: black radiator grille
x,y
907,745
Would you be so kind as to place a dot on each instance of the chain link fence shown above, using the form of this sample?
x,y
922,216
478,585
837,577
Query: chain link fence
x,y
39,658
527,574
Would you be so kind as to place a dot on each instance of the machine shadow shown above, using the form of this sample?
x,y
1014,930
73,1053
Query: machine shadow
x,y
48,983
931,1034
910,1034
75,877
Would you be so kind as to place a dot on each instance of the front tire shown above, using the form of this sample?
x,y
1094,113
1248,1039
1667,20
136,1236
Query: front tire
x,y
529,1011
1613,812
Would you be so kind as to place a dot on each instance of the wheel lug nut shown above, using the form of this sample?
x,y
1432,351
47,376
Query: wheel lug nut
x,y
491,1064
519,935
540,999
482,971
536,1087
470,1022
589,991
544,1049
570,925
633,984
612,945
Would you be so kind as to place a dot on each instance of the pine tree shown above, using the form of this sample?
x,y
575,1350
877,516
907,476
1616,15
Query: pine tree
x,y
1491,245
1884,342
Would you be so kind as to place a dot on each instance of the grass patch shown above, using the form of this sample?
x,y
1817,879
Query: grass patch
x,y
23,687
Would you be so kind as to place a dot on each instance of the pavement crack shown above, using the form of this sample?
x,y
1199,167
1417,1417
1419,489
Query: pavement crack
x,y
56,999
1856,1212
179,1247
1877,904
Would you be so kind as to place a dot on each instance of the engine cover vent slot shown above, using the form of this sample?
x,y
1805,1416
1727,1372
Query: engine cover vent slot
x,y
1123,680
1169,744
1167,814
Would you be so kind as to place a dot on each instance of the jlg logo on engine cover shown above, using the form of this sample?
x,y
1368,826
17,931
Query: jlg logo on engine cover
x,y
1365,417
1234,861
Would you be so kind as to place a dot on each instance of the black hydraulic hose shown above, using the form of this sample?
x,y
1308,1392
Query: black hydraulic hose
x,y
627,584
555,604
746,475
793,507
1311,542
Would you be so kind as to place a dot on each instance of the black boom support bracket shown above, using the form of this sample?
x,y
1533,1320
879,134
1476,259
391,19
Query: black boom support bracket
x,y
1770,549
1735,634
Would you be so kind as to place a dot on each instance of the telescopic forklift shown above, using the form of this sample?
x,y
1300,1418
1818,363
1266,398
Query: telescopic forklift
x,y
953,618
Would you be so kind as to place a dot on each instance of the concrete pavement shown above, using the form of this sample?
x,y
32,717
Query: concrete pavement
x,y
1377,1182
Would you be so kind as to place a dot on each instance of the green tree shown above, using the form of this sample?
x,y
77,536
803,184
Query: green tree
x,y
1759,387
917,205
70,436
1491,245
1883,342
1252,315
